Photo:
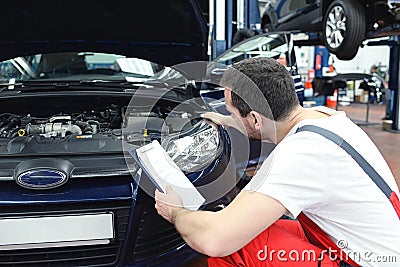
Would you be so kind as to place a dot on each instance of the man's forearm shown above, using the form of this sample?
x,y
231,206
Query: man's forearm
x,y
195,227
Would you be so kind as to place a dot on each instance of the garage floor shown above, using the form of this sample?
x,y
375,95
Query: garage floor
x,y
387,142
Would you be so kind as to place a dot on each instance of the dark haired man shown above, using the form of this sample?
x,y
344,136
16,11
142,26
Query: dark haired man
x,y
347,218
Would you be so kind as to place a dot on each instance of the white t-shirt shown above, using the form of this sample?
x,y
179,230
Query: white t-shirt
x,y
308,173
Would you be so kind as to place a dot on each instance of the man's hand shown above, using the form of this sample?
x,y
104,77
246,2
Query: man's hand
x,y
224,120
217,118
168,204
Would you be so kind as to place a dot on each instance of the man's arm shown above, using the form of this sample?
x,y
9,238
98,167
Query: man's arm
x,y
221,233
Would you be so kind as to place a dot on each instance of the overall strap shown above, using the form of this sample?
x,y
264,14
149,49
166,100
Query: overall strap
x,y
314,233
372,173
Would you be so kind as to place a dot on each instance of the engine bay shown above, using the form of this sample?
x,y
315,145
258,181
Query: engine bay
x,y
58,125
109,121
99,124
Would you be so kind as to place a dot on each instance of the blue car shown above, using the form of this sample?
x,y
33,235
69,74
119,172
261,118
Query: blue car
x,y
341,24
278,45
83,83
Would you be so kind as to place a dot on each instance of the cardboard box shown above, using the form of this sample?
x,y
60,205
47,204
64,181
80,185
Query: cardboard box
x,y
387,124
363,98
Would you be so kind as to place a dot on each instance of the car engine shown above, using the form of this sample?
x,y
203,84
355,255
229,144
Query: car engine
x,y
60,125
156,123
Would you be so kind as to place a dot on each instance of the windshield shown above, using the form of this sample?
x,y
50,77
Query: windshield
x,y
268,45
78,66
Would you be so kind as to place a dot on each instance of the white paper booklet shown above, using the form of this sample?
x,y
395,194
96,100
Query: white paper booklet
x,y
162,170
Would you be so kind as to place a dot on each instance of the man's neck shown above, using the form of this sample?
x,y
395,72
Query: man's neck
x,y
297,115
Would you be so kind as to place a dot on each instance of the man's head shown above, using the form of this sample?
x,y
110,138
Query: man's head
x,y
278,97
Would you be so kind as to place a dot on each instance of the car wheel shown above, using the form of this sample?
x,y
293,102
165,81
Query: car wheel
x,y
344,28
267,28
241,35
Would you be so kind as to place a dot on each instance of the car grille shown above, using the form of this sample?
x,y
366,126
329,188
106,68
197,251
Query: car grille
x,y
155,235
97,255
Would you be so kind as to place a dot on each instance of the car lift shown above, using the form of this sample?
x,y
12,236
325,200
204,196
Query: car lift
x,y
394,76
394,73
242,13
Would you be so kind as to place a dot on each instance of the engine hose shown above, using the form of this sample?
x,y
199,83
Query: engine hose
x,y
75,129
15,133
85,126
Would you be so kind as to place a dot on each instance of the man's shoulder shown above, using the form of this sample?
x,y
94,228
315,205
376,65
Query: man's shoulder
x,y
301,142
339,124
302,146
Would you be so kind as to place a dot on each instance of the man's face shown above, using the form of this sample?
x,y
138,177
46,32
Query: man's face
x,y
246,122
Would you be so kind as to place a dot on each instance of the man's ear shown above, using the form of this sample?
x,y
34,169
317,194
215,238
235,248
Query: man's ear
x,y
256,119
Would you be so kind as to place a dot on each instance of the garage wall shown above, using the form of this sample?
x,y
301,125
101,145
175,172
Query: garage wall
x,y
366,57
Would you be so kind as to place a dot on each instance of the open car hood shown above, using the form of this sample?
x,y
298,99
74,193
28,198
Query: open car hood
x,y
163,31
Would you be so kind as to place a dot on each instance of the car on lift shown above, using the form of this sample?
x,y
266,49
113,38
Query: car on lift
x,y
83,83
277,45
341,24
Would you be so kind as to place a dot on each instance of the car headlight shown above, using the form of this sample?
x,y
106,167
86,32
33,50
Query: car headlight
x,y
194,149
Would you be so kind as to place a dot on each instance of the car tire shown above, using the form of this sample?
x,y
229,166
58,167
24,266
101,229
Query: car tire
x,y
268,28
266,24
344,28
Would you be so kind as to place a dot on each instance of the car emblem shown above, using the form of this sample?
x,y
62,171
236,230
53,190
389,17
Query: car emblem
x,y
41,179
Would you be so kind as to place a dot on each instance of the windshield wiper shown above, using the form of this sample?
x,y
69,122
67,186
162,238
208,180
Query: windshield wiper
x,y
41,85
106,83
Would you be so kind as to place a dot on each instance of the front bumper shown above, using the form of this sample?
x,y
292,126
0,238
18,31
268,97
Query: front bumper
x,y
141,236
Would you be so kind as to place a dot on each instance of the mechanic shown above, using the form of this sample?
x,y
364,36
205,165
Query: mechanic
x,y
346,218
